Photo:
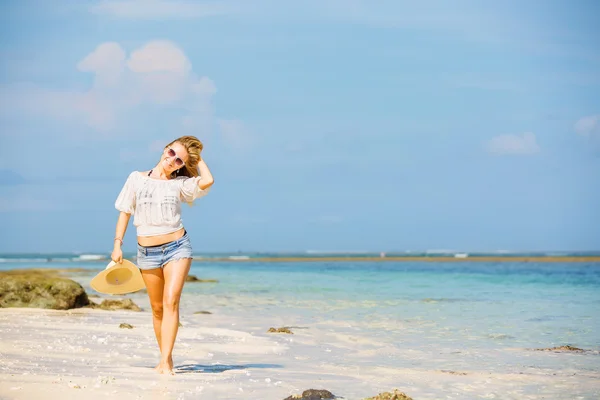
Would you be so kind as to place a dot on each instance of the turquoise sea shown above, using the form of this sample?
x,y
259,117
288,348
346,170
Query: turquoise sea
x,y
458,316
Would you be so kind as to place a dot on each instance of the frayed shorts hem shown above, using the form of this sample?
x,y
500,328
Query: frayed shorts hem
x,y
162,266
158,256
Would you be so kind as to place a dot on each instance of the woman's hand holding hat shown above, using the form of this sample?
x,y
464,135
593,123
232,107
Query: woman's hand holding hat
x,y
117,255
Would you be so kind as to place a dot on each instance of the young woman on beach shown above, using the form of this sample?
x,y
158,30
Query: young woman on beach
x,y
164,254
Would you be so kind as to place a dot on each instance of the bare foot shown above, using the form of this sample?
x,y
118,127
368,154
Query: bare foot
x,y
165,367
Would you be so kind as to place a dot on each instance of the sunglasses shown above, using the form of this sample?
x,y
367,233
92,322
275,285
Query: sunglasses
x,y
178,161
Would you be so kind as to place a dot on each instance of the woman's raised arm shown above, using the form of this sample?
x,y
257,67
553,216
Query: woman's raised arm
x,y
206,179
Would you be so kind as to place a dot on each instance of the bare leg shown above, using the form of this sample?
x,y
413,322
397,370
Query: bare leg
x,y
175,273
155,282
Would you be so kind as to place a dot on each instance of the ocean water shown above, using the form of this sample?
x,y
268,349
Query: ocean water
x,y
458,316
473,318
486,306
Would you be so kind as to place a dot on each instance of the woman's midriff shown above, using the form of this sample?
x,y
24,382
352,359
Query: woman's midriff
x,y
160,239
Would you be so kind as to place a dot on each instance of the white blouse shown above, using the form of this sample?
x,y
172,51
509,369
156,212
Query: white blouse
x,y
156,203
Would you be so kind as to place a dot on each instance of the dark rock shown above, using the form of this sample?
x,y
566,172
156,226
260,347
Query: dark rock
x,y
395,395
283,329
180,325
192,278
40,289
448,371
561,349
126,326
125,304
312,394
202,312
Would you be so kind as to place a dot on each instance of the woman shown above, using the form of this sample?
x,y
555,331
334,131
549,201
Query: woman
x,y
164,250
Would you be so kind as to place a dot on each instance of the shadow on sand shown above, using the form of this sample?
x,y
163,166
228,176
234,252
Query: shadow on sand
x,y
216,368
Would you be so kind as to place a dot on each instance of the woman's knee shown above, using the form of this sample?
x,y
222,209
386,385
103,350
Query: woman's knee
x,y
170,303
157,310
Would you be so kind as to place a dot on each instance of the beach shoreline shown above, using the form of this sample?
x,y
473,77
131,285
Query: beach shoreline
x,y
83,353
428,342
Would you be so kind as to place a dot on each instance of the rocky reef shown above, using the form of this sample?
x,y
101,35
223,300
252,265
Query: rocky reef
x,y
283,329
563,349
117,304
395,395
192,278
51,289
38,288
312,394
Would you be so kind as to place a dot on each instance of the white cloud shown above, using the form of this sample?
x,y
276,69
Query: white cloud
x,y
161,9
513,144
588,126
107,62
204,86
159,56
158,73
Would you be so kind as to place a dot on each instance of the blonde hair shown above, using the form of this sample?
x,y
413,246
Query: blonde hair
x,y
194,147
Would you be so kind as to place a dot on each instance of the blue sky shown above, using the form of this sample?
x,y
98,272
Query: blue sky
x,y
328,125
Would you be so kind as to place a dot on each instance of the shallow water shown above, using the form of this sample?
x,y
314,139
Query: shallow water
x,y
471,318
462,317
518,305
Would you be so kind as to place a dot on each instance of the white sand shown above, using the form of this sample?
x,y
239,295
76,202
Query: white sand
x,y
83,354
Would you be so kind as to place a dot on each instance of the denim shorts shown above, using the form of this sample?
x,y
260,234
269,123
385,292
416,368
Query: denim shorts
x,y
157,256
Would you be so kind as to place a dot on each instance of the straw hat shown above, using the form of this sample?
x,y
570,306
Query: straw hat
x,y
118,278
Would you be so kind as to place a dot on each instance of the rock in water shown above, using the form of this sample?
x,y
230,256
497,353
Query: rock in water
x,y
40,290
567,348
395,395
283,329
125,304
125,325
312,394
192,278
